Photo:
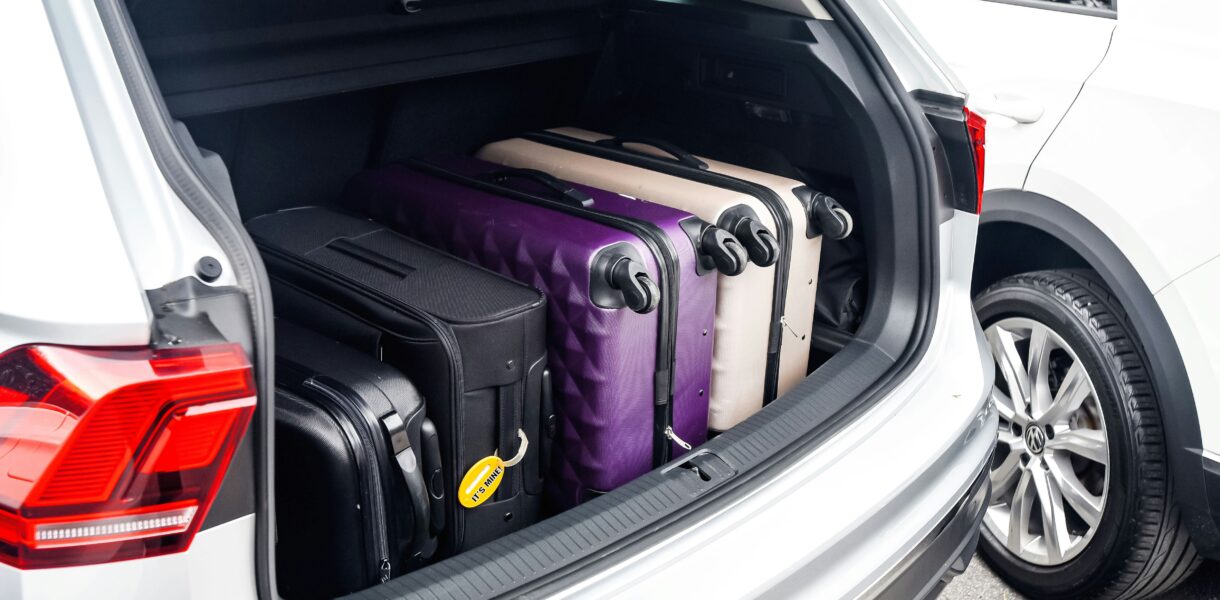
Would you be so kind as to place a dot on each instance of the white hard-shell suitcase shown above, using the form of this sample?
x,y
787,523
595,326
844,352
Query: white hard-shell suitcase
x,y
763,316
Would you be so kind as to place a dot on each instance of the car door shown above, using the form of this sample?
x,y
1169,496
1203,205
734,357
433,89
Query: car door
x,y
1022,61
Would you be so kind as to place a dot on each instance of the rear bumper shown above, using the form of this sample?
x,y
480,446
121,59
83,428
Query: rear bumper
x,y
945,553
1188,305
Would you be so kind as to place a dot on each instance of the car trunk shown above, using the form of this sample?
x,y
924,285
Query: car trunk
x,y
297,97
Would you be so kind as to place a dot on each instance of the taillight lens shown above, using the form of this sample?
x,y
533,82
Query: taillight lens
x,y
976,126
117,453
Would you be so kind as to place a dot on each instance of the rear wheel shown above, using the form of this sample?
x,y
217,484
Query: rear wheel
x,y
1081,505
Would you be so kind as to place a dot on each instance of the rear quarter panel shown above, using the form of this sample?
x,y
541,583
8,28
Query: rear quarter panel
x,y
1136,155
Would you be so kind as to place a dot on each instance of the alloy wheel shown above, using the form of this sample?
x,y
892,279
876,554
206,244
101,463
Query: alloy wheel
x,y
1051,470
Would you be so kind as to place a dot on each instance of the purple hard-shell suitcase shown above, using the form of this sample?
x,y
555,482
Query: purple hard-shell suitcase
x,y
606,345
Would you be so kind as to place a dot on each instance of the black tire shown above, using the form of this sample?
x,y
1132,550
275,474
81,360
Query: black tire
x,y
1140,547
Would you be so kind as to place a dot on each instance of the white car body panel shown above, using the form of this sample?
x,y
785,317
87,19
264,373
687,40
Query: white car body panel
x,y
163,237
1151,184
66,277
1190,307
1148,183
796,536
1058,51
917,65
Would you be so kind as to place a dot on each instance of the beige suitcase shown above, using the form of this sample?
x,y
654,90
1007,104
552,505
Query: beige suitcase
x,y
764,315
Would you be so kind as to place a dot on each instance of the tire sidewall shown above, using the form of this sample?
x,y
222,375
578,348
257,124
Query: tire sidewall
x,y
1097,562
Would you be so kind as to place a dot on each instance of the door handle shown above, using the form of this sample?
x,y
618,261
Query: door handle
x,y
1021,110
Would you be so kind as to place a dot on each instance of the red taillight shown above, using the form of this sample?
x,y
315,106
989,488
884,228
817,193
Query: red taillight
x,y
114,454
976,126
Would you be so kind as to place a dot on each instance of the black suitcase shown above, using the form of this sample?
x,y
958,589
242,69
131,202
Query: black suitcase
x,y
354,452
472,341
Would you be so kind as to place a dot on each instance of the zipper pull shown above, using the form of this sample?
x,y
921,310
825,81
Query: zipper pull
x,y
669,433
784,321
385,570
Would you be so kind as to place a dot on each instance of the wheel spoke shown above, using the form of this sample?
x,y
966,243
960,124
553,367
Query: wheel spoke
x,y
1086,443
1018,519
1038,359
1004,350
1005,436
1054,521
1072,392
1074,493
1004,406
1006,474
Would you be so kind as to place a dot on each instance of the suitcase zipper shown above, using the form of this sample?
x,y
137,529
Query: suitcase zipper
x,y
669,433
768,197
448,342
346,416
667,258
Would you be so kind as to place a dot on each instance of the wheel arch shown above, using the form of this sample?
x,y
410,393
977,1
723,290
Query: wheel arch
x,y
1054,236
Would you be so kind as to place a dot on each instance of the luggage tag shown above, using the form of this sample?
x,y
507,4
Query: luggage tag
x,y
485,476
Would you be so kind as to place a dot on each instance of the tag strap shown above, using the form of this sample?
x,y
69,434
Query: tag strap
x,y
525,444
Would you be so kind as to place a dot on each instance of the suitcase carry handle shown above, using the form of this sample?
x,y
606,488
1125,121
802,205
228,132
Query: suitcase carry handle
x,y
678,154
411,464
565,192
432,476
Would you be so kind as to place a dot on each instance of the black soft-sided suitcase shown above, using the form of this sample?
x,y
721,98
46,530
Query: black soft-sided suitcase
x,y
354,452
472,341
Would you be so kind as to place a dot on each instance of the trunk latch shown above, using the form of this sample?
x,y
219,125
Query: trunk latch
x,y
702,471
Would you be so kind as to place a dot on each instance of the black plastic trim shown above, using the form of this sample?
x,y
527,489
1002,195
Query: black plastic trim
x,y
950,544
229,70
947,116
1198,493
1091,11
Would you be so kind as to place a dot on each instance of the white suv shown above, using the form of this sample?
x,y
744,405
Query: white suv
x,y
1096,280
137,448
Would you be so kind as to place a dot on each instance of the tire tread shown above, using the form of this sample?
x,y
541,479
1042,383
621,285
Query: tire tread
x,y
1160,554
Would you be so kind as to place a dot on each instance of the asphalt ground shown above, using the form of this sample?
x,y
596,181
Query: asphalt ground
x,y
979,583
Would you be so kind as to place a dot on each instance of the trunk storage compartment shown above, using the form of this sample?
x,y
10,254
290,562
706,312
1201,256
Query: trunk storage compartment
x,y
298,98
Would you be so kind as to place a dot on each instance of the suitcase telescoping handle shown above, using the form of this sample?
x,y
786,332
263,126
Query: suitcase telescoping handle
x,y
681,156
563,190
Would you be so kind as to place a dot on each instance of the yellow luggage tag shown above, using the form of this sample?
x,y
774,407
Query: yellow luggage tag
x,y
485,476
